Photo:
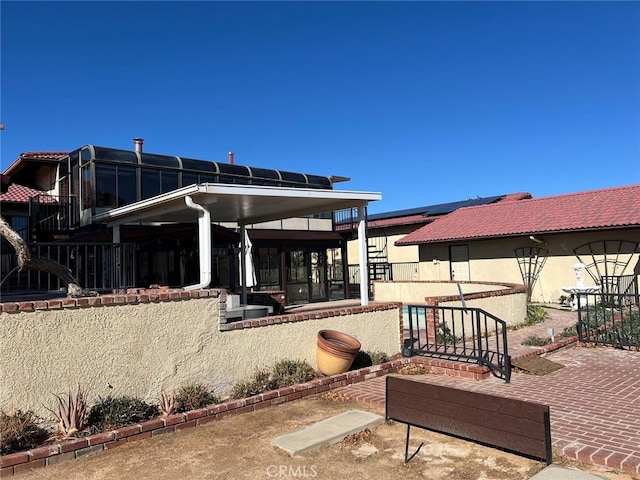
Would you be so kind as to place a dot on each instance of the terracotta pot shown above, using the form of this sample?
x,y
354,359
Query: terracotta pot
x,y
336,351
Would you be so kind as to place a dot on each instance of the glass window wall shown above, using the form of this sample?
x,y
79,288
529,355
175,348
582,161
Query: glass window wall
x,y
189,179
106,186
127,185
159,160
169,181
269,269
115,155
150,183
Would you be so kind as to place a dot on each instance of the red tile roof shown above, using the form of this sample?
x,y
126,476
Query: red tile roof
x,y
29,159
43,155
592,210
392,222
21,194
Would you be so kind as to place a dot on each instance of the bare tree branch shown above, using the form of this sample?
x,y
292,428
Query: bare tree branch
x,y
27,262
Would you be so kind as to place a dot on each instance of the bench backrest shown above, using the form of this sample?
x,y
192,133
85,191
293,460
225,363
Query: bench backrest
x,y
514,425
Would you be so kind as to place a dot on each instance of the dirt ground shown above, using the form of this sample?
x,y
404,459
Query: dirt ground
x,y
239,448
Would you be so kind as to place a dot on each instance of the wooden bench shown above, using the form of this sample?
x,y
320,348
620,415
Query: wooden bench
x,y
513,425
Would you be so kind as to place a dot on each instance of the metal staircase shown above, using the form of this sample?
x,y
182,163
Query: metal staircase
x,y
52,217
345,222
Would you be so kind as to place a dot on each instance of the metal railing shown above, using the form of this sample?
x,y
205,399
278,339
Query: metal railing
x,y
399,272
345,220
462,334
96,266
51,213
609,319
620,284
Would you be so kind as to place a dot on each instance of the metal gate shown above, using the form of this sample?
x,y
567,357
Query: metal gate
x,y
611,319
461,334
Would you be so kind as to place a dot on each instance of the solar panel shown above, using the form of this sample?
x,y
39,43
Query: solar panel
x,y
439,209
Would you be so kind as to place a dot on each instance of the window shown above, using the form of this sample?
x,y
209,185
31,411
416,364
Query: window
x,y
297,271
269,268
127,186
20,224
85,156
150,182
189,179
87,190
106,187
169,181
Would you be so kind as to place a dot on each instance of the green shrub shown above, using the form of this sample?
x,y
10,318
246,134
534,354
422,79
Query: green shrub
x,y
570,331
291,372
535,314
261,381
114,412
282,374
446,335
20,431
193,396
378,357
536,341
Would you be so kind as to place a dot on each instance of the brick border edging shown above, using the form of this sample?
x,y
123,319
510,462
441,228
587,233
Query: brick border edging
x,y
132,296
550,347
41,457
308,315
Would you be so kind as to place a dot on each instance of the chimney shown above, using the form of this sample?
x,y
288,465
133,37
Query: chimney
x,y
137,142
230,158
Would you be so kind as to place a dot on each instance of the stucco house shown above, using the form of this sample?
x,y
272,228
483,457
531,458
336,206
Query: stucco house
x,y
389,262
127,218
537,242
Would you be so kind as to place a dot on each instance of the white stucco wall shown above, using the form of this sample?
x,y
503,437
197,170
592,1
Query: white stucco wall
x,y
417,291
495,261
394,254
510,308
143,349
506,304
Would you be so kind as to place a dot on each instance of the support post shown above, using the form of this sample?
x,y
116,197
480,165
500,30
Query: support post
x,y
115,234
362,247
243,265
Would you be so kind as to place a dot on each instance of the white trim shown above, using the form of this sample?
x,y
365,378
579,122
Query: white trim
x,y
248,204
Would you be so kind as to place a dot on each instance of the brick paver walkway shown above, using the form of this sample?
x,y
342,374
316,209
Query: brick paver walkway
x,y
594,400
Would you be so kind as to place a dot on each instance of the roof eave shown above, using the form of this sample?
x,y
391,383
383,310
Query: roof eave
x,y
401,243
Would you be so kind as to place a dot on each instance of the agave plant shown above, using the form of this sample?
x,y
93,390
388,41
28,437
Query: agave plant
x,y
71,413
167,404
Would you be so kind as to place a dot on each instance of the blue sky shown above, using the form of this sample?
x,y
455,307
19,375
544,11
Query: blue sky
x,y
426,102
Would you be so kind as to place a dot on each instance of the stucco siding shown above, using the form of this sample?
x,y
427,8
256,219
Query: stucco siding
x,y
510,308
495,260
507,302
142,349
416,292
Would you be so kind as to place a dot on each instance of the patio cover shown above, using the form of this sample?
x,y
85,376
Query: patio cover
x,y
244,205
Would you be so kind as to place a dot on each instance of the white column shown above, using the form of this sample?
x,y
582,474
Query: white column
x,y
362,249
243,265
